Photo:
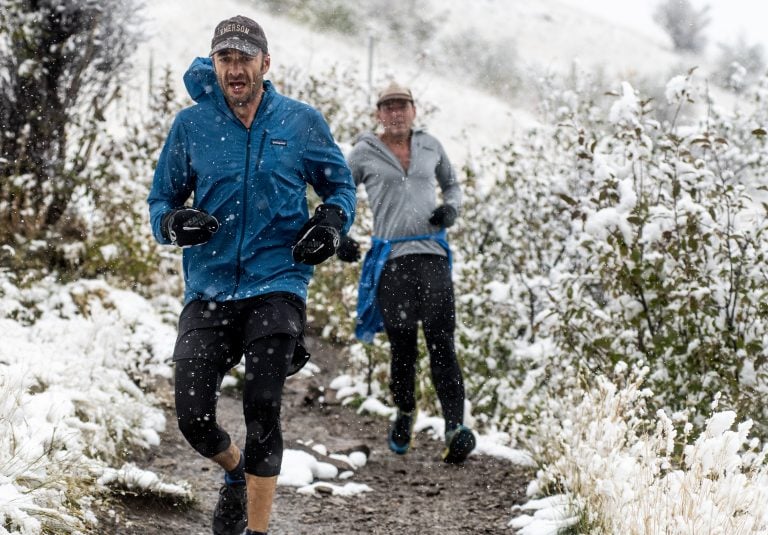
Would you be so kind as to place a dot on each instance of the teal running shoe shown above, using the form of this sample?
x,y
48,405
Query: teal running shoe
x,y
459,443
401,432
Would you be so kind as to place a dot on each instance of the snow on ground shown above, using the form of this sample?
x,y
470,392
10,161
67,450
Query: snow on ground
x,y
72,365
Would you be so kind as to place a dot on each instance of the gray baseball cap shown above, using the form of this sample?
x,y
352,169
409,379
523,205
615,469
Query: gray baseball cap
x,y
239,33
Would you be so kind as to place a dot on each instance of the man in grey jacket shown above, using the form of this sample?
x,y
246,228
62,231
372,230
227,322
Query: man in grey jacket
x,y
406,275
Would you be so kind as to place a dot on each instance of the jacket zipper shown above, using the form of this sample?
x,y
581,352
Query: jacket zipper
x,y
391,156
239,268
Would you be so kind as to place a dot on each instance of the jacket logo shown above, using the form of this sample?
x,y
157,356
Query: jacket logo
x,y
279,142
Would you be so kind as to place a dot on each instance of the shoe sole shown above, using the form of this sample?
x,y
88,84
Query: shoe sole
x,y
462,444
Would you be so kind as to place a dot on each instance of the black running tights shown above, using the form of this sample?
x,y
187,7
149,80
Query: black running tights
x,y
417,288
197,382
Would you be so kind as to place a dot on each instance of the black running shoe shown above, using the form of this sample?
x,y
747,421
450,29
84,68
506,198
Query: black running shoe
x,y
400,433
458,445
229,517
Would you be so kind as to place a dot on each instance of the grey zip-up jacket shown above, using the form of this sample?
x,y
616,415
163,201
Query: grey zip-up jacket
x,y
403,199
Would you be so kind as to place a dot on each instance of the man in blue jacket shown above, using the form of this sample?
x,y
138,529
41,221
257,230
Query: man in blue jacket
x,y
243,155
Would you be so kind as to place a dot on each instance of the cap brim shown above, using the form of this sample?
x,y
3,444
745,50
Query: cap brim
x,y
395,96
235,43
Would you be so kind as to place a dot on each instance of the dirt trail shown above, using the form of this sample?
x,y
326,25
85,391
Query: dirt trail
x,y
415,493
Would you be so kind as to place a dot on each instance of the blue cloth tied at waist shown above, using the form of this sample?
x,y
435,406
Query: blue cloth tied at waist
x,y
369,318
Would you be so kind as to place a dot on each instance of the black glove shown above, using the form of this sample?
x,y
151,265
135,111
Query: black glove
x,y
443,216
319,237
188,226
348,250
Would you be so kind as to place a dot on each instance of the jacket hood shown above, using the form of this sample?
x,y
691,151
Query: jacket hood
x,y
200,80
366,136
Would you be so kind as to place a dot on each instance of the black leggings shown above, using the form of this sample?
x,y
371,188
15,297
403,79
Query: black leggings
x,y
413,288
197,382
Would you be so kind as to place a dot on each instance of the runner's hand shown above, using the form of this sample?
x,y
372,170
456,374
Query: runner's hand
x,y
319,238
443,216
186,227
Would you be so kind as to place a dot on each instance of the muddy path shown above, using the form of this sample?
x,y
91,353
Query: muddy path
x,y
415,493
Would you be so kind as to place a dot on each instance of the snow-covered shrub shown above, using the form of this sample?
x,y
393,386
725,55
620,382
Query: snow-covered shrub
x,y
512,245
610,237
114,239
48,103
670,249
626,470
96,186
117,243
509,243
739,64
75,399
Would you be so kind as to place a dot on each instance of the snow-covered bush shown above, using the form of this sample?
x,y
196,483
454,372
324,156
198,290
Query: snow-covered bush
x,y
51,109
626,470
82,212
739,64
669,244
117,242
512,245
77,366
609,237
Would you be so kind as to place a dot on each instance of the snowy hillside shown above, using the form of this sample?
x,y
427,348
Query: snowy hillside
x,y
552,34
545,36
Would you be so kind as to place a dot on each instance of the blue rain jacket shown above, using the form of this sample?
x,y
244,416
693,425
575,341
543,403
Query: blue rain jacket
x,y
254,181
369,318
